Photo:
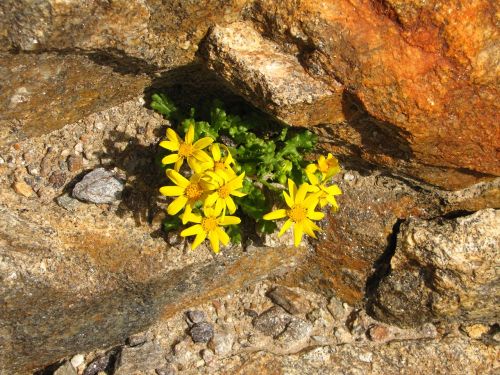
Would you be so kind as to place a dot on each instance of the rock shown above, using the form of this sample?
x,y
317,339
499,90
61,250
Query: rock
x,y
22,188
75,163
273,321
98,364
443,270
291,301
342,335
201,332
65,369
406,109
77,360
195,316
67,202
57,179
167,370
98,186
336,308
143,358
379,333
208,356
296,334
138,339
272,80
222,343
184,353
475,331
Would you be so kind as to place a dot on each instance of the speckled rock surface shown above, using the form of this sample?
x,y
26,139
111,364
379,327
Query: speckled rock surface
x,y
443,270
272,80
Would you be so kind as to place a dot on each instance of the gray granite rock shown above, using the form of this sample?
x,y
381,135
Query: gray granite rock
x,y
98,186
201,332
139,359
272,321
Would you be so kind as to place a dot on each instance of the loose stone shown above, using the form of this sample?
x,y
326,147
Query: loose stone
x,y
98,186
273,321
201,332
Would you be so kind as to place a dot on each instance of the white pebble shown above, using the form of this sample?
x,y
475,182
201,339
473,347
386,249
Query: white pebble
x,y
366,357
79,148
77,360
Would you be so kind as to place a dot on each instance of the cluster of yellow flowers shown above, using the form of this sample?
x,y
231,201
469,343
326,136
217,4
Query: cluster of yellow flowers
x,y
212,183
302,201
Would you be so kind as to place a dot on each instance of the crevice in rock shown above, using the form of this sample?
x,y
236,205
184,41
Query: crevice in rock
x,y
382,266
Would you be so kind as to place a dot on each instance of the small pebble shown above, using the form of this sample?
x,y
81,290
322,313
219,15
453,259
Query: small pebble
x,y
65,369
75,163
98,186
77,360
201,332
273,321
366,357
22,188
207,355
79,148
57,179
33,170
67,202
378,333
475,331
195,316
222,343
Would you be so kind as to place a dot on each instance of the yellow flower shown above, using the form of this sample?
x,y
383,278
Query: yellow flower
x,y
188,192
328,167
186,149
220,162
326,194
224,185
300,212
209,226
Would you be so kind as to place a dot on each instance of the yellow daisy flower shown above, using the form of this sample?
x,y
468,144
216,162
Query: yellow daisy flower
x,y
326,194
188,192
224,185
328,166
209,226
220,162
186,149
300,212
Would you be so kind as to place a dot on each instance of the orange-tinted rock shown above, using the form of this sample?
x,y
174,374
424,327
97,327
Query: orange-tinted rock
x,y
425,76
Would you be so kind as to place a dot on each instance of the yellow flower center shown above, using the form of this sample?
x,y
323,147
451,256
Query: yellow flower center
x,y
186,150
193,191
224,191
219,165
297,213
209,223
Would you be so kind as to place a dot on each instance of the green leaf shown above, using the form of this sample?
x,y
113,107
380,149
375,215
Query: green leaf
x,y
162,104
171,223
234,233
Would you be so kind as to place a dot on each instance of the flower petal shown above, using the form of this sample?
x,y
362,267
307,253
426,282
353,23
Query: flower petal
x,y
229,220
172,136
216,151
301,193
177,205
211,199
315,215
278,214
237,193
298,231
177,178
230,205
202,156
308,228
312,178
202,143
194,218
190,135
195,165
285,227
288,199
186,215
178,164
192,230
334,190
170,145
214,241
172,191
224,238
169,159
292,189
198,240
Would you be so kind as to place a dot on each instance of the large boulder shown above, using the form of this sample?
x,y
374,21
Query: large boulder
x,y
443,270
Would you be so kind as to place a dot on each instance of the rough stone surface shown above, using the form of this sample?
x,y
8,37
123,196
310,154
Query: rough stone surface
x,y
195,316
291,301
73,87
98,186
272,80
273,321
201,332
143,358
222,343
420,74
443,270
66,369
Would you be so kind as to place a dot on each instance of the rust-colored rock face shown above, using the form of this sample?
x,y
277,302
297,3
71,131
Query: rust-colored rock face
x,y
426,73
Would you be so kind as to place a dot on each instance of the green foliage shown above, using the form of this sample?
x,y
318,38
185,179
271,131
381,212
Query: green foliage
x,y
268,152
